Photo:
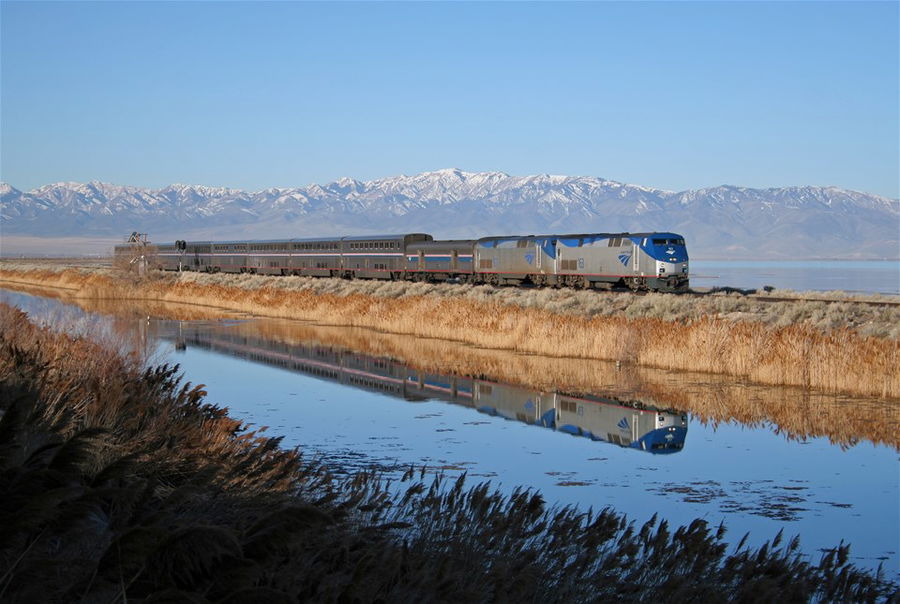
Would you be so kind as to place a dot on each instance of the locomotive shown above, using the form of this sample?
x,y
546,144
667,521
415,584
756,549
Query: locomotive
x,y
655,261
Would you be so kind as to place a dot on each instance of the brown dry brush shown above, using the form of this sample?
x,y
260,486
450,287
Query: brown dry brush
x,y
803,354
120,483
795,412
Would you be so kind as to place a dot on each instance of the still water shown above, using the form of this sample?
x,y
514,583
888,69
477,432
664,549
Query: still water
x,y
356,400
870,276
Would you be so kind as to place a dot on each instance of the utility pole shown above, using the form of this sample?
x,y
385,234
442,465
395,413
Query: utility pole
x,y
140,241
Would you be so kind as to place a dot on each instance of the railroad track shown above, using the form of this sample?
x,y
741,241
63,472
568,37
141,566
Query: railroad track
x,y
751,294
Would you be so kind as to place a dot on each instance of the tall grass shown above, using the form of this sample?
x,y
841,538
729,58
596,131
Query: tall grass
x,y
797,413
119,483
547,322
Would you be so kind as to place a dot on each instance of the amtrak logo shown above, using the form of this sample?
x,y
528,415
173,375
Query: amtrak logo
x,y
623,423
529,258
670,251
625,258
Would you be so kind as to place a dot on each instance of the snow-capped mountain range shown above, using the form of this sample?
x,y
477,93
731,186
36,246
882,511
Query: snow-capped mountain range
x,y
718,222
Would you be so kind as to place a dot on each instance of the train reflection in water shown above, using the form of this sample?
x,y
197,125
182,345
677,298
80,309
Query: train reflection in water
x,y
627,424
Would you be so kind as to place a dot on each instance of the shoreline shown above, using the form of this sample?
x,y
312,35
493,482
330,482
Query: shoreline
x,y
552,323
798,413
166,494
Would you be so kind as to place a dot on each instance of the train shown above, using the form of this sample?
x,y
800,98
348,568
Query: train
x,y
627,423
656,261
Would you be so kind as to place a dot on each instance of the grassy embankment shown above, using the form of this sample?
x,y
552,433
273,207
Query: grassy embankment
x,y
841,346
796,413
120,483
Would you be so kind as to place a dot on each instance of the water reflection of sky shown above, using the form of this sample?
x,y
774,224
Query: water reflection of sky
x,y
753,479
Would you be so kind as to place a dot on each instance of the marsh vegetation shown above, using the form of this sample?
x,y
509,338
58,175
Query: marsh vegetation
x,y
848,346
120,482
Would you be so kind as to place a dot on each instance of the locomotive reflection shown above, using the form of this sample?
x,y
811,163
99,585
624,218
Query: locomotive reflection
x,y
624,423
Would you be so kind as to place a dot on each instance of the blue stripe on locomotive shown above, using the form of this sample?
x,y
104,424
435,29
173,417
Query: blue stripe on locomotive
x,y
660,252
659,437
645,442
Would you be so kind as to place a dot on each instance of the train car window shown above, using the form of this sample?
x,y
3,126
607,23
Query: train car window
x,y
659,242
522,243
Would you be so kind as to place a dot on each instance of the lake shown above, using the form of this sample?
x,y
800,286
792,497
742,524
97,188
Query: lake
x,y
357,398
869,276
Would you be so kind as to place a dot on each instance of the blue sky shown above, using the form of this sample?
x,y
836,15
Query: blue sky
x,y
251,95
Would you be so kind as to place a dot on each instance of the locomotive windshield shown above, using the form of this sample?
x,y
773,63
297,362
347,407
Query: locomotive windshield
x,y
678,241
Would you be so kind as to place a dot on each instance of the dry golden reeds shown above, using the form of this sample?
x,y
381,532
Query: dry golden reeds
x,y
796,412
833,360
120,484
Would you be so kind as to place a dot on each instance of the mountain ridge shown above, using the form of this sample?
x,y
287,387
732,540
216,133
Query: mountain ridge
x,y
723,221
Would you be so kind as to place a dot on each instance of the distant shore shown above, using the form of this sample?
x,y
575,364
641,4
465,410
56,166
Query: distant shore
x,y
835,343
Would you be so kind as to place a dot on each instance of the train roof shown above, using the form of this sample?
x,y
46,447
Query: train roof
x,y
392,236
577,236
